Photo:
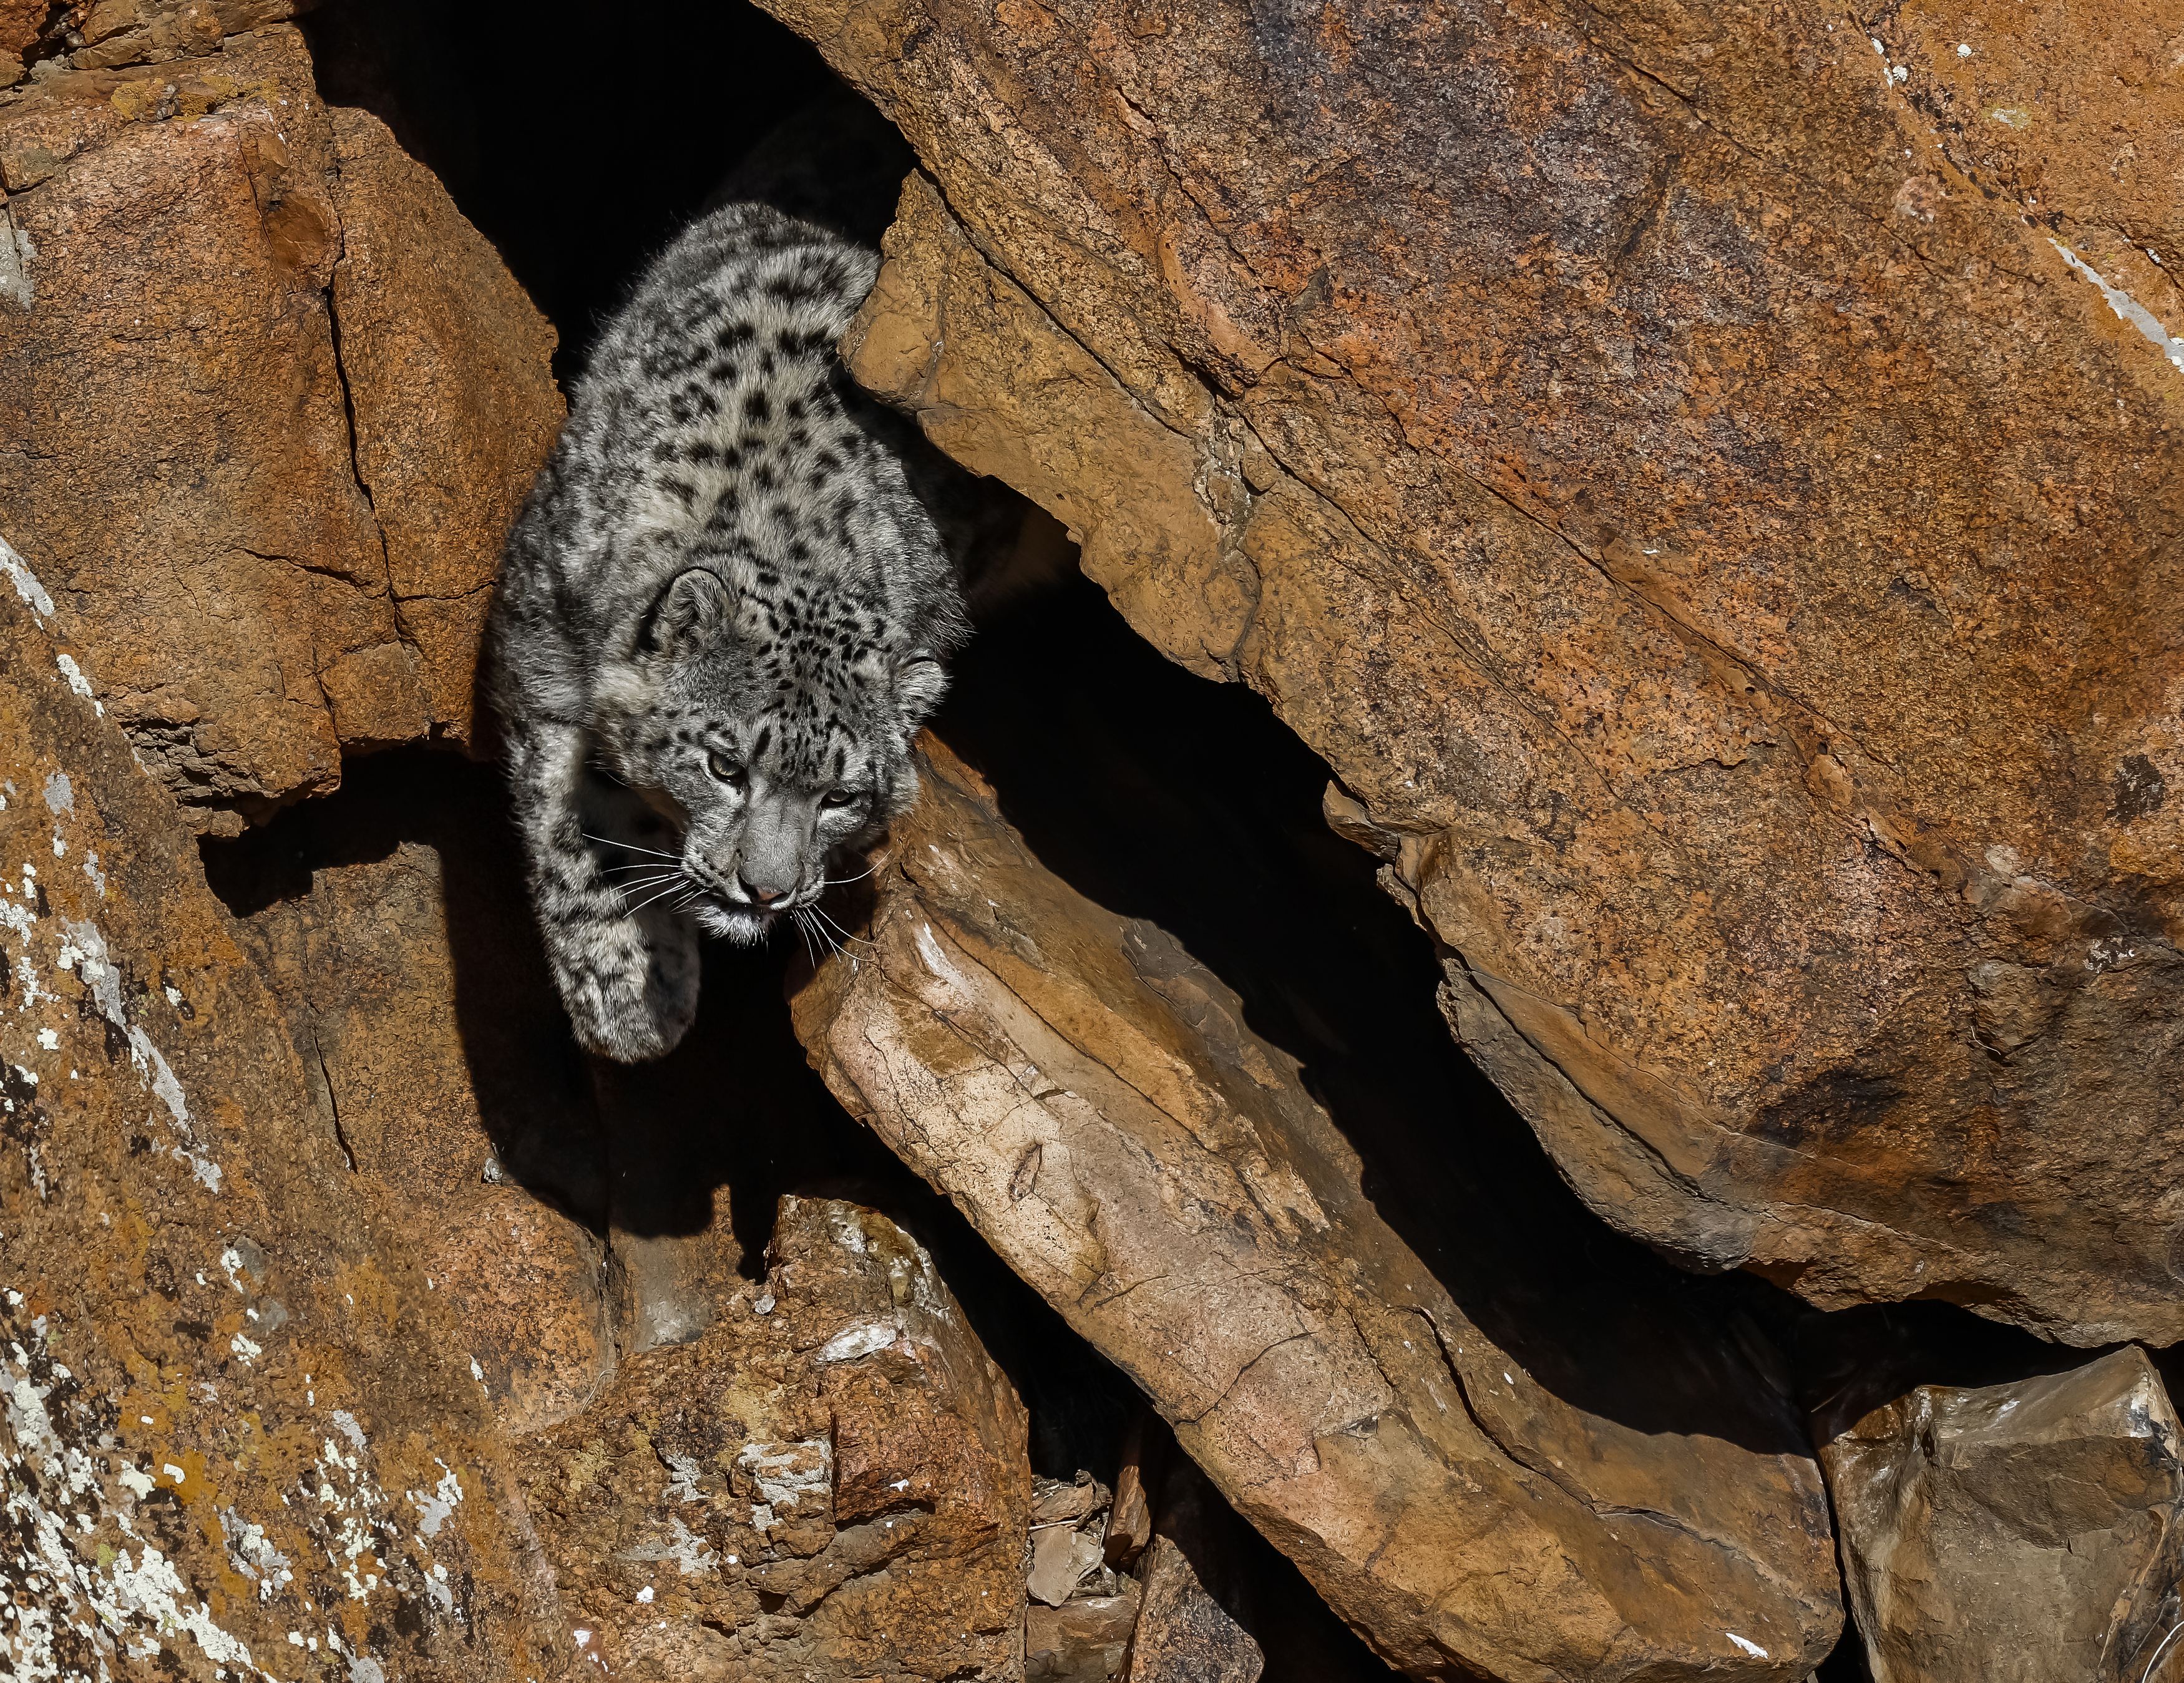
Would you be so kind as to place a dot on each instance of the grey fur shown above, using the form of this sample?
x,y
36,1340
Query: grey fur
x,y
720,620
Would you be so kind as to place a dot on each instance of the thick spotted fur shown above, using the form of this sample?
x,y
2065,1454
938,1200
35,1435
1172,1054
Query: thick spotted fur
x,y
721,617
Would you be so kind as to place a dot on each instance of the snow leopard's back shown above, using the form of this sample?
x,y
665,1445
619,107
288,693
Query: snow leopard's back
x,y
715,426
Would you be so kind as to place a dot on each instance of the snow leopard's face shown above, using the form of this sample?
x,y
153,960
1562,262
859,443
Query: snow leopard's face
x,y
777,732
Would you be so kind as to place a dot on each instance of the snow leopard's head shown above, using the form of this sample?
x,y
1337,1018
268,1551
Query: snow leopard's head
x,y
773,725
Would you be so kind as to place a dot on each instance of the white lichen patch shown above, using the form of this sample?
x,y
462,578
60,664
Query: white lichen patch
x,y
789,1476
78,683
14,568
94,965
691,1553
2128,309
433,1509
87,1588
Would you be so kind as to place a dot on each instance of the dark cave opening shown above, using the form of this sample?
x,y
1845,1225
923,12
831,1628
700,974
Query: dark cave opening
x,y
1156,794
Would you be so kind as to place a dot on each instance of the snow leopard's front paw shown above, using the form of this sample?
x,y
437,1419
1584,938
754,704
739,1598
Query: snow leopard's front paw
x,y
631,988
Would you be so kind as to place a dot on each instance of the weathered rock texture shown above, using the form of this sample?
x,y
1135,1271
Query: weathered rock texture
x,y
831,1483
239,1436
2028,1531
1679,468
441,1079
271,403
1187,1630
1090,1097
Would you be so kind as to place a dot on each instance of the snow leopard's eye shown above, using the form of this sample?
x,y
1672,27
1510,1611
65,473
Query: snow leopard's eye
x,y
725,769
838,797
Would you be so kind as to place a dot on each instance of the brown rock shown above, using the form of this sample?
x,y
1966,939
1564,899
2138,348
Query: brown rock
x,y
20,23
1130,1522
1643,458
834,1487
235,1412
435,1077
170,283
1188,1629
1063,1556
2027,1530
1085,1641
1091,1099
446,364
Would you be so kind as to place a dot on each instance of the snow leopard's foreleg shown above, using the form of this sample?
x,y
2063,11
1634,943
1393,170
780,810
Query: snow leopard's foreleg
x,y
624,961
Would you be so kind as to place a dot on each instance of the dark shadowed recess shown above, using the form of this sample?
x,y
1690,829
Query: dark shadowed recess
x,y
1155,793
577,148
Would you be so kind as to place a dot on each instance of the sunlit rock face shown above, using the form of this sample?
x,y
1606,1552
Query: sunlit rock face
x,y
1707,484
240,1426
1092,1098
283,401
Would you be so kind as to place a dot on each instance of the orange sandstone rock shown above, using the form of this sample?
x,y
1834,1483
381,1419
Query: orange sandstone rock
x,y
1707,484
281,400
239,1426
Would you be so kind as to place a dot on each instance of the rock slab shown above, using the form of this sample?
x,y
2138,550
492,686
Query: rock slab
x,y
1092,1099
239,1438
284,400
1645,455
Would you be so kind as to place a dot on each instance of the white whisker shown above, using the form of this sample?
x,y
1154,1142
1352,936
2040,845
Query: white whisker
x,y
836,881
609,841
845,934
654,901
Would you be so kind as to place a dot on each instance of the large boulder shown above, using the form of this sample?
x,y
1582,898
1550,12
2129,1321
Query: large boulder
x,y
2027,1530
1092,1098
242,1435
1706,482
282,399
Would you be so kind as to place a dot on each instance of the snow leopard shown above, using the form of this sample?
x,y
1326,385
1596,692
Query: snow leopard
x,y
724,611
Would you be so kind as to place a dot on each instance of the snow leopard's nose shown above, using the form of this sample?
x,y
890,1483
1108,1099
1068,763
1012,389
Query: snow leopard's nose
x,y
764,893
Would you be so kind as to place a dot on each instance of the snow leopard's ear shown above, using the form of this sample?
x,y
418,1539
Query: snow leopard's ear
x,y
920,681
686,616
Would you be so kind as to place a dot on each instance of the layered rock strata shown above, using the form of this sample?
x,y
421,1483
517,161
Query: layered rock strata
x,y
1092,1099
1707,485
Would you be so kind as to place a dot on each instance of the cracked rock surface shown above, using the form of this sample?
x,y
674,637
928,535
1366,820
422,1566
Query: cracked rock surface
x,y
831,1485
267,405
1708,483
1091,1099
2025,1531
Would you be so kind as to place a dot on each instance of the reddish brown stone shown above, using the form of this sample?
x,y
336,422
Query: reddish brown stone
x,y
445,361
181,239
1676,468
1081,1642
834,1487
420,1062
234,1410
